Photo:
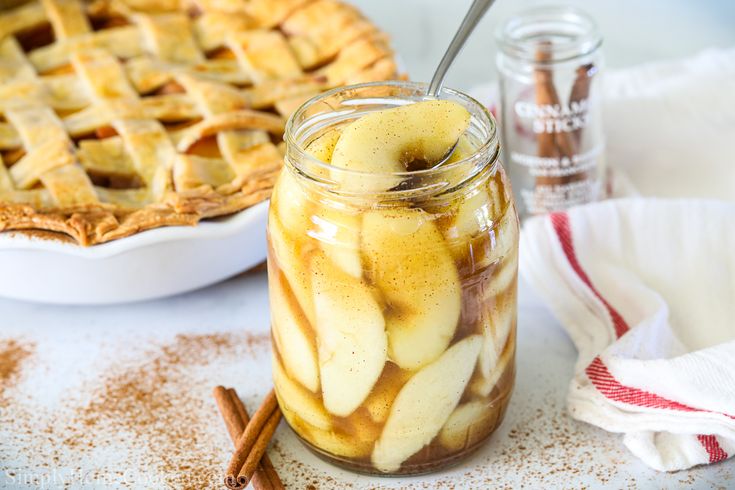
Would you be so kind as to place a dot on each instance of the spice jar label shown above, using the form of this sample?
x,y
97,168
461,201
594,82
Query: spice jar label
x,y
550,64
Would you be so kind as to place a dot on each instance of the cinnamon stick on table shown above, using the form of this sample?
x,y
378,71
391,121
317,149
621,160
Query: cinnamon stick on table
x,y
252,443
259,447
236,419
265,461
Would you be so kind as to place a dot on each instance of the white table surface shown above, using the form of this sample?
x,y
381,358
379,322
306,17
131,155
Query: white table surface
x,y
549,449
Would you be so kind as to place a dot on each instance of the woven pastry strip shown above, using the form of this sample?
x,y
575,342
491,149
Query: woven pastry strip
x,y
123,115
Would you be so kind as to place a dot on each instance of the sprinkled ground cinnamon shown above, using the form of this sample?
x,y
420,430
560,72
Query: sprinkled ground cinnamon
x,y
151,401
537,448
13,354
154,403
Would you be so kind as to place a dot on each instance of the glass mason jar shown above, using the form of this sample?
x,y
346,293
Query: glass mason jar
x,y
549,62
393,295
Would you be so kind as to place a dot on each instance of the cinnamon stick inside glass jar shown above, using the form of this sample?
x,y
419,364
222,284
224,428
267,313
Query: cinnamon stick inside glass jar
x,y
550,110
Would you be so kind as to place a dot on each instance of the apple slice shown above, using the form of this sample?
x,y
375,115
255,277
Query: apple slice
x,y
351,339
292,254
338,233
352,436
338,443
322,147
479,206
424,404
296,401
397,140
293,336
408,260
474,215
291,204
497,324
468,425
504,236
464,149
483,385
385,391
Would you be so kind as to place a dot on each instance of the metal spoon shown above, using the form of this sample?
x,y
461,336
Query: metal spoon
x,y
474,14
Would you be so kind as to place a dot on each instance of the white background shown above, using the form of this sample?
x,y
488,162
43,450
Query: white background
x,y
634,31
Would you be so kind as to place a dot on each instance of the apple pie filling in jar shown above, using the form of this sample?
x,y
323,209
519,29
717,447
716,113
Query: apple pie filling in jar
x,y
393,293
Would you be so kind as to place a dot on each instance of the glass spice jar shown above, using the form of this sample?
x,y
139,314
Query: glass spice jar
x,y
393,295
550,62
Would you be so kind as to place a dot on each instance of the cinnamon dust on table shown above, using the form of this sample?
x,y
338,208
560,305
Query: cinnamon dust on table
x,y
152,401
149,402
541,447
13,354
155,405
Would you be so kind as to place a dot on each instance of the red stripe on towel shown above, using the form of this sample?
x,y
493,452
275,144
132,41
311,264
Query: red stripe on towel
x,y
599,374
560,221
606,384
713,448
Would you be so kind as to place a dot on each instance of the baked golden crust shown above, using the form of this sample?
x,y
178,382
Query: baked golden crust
x,y
120,116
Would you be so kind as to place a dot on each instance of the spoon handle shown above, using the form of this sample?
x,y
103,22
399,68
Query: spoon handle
x,y
473,16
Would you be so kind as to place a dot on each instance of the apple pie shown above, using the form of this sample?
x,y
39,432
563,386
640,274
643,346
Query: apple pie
x,y
119,116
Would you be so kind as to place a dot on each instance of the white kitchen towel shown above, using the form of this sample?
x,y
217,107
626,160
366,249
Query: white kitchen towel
x,y
670,126
646,290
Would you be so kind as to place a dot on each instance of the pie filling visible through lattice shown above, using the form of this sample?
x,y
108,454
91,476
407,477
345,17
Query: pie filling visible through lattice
x,y
123,115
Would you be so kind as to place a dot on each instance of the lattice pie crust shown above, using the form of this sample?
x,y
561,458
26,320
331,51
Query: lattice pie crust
x,y
123,115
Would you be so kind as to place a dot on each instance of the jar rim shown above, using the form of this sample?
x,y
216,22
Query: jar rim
x,y
491,145
575,34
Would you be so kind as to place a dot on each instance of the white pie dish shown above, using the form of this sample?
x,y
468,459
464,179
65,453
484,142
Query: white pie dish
x,y
151,264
